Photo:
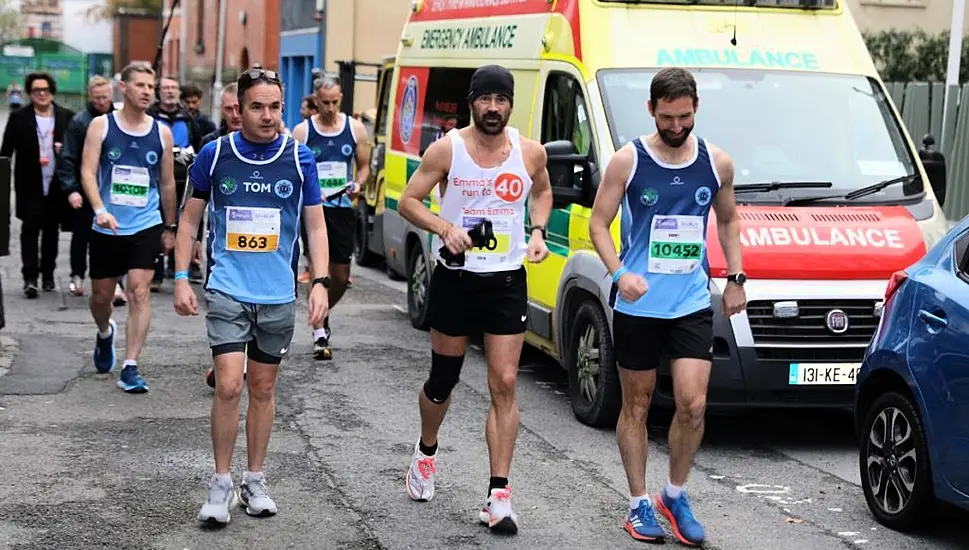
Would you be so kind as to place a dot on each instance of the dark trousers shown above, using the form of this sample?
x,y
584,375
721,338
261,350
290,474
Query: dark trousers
x,y
46,229
160,271
83,219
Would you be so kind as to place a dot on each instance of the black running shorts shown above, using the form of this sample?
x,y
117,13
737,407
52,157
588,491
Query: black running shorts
x,y
463,303
641,343
340,225
114,255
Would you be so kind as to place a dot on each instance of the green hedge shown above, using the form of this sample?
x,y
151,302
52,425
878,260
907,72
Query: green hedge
x,y
906,56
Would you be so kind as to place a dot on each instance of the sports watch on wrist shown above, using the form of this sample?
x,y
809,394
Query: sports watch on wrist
x,y
737,278
173,228
532,228
325,281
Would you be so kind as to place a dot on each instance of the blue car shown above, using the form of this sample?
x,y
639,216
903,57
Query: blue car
x,y
912,394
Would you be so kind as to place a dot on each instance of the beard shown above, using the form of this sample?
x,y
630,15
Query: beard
x,y
675,140
490,123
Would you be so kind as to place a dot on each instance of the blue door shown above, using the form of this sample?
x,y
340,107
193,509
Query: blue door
x,y
939,357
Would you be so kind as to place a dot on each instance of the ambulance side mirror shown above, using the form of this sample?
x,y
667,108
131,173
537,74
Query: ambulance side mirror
x,y
934,163
571,175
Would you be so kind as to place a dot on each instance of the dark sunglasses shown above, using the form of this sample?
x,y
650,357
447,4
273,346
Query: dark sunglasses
x,y
255,75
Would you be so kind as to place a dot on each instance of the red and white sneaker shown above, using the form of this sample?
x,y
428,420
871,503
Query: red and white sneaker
x,y
497,513
420,476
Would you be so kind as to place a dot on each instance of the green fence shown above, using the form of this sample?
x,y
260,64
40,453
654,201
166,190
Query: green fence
x,y
922,105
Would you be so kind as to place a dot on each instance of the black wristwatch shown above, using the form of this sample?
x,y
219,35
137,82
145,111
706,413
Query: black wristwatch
x,y
737,278
325,281
541,228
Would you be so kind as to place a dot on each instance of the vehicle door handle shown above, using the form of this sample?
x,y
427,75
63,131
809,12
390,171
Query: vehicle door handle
x,y
932,319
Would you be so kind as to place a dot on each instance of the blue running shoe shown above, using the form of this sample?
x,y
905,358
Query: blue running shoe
x,y
131,380
104,357
641,524
686,528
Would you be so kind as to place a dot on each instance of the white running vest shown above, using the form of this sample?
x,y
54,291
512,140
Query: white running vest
x,y
498,194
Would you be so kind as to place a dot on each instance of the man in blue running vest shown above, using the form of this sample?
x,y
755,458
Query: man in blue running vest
x,y
257,184
666,182
126,171
339,143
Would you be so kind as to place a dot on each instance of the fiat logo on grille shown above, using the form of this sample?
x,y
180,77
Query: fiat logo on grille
x,y
837,321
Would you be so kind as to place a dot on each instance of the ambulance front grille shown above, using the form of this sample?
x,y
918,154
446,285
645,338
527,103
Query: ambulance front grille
x,y
809,328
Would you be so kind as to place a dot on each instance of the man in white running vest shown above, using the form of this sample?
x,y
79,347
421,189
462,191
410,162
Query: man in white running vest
x,y
485,174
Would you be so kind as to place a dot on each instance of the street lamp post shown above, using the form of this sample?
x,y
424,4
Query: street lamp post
x,y
955,58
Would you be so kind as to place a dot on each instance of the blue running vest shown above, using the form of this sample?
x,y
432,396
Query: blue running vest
x,y
254,216
335,155
128,176
665,211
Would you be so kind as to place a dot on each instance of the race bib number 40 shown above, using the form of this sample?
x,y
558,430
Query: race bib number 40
x,y
251,229
333,177
675,244
129,186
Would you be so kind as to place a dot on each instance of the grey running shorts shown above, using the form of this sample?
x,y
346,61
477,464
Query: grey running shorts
x,y
266,328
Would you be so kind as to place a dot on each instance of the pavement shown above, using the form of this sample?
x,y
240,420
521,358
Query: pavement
x,y
87,466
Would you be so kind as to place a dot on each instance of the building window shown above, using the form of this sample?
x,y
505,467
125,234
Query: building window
x,y
200,26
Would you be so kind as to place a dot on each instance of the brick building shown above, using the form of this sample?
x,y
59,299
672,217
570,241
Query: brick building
x,y
360,30
251,37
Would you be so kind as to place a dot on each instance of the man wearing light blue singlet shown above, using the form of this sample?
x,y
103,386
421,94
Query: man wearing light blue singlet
x,y
257,184
127,173
339,144
666,183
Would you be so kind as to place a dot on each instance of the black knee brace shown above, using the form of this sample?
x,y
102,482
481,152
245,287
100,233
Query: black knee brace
x,y
445,373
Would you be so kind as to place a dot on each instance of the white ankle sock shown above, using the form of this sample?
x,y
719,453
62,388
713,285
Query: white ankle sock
x,y
103,335
635,501
319,333
673,491
130,363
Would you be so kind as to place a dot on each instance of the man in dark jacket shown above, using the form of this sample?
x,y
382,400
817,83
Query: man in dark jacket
x,y
69,173
33,136
185,133
192,99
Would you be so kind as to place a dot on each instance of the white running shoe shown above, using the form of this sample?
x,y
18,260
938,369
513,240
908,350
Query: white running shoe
x,y
420,476
222,496
497,513
255,497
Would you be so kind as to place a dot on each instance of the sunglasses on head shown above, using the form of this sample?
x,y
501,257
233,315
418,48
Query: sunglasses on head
x,y
257,74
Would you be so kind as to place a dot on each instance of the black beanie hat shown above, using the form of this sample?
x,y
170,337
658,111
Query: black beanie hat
x,y
492,79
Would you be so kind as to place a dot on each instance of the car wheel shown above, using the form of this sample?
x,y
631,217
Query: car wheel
x,y
593,379
894,461
361,239
418,287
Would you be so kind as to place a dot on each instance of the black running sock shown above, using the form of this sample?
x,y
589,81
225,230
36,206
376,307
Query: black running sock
x,y
497,483
427,451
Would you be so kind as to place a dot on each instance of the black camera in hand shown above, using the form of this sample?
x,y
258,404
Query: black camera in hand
x,y
482,236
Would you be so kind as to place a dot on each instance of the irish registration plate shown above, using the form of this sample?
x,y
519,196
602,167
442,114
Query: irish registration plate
x,y
823,373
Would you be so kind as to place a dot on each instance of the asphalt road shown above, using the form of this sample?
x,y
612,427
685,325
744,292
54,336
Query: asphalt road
x,y
86,466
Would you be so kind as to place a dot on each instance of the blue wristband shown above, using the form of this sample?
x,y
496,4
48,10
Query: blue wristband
x,y
100,211
181,275
619,273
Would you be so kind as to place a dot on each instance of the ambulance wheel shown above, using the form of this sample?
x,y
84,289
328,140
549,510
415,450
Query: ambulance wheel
x,y
361,238
593,379
418,288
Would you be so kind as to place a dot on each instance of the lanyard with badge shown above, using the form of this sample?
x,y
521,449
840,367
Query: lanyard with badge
x,y
45,150
675,244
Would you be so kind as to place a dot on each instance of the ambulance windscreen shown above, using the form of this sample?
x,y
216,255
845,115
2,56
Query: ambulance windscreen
x,y
779,125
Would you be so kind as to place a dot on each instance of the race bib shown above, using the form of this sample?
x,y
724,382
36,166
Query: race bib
x,y
250,229
675,244
129,186
333,177
494,252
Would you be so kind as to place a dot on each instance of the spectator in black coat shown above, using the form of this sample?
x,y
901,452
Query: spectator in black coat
x,y
33,138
